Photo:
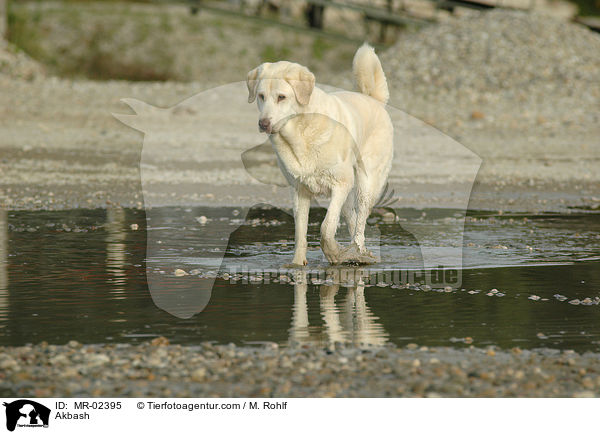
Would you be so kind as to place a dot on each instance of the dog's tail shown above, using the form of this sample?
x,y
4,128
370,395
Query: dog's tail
x,y
369,75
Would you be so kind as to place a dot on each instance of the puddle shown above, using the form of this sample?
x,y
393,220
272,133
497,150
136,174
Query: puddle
x,y
527,280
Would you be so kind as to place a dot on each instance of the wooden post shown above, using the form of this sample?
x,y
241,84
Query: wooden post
x,y
314,15
3,18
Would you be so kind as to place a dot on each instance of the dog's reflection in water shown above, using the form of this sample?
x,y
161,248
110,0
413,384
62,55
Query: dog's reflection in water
x,y
348,321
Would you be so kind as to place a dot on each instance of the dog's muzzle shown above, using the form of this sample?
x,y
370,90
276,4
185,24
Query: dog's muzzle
x,y
264,125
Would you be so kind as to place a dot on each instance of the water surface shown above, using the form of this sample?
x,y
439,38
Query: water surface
x,y
81,274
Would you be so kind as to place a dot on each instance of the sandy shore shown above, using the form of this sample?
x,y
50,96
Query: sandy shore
x,y
62,148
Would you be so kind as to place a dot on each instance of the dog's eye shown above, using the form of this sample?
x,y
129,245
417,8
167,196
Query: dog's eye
x,y
261,96
280,97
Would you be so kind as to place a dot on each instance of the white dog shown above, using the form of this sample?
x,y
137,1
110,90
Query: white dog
x,y
338,145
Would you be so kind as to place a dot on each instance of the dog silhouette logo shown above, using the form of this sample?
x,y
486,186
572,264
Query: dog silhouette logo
x,y
221,158
26,413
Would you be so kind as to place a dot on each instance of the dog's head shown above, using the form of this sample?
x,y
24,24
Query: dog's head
x,y
281,90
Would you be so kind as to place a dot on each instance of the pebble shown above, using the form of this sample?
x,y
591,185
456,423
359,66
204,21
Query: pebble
x,y
198,374
160,341
179,272
8,363
59,360
96,359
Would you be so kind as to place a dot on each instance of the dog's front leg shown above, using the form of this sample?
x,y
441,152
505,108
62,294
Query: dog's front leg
x,y
299,331
330,247
301,209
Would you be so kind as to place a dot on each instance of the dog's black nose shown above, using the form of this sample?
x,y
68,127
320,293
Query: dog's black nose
x,y
264,125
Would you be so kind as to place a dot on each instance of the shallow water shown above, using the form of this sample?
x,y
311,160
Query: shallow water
x,y
81,274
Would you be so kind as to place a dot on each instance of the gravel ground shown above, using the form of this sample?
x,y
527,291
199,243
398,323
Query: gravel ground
x,y
504,69
159,369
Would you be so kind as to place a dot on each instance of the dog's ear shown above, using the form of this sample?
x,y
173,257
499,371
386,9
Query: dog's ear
x,y
303,83
252,83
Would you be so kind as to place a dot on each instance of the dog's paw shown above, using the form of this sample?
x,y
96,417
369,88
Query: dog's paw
x,y
352,255
331,250
333,258
297,264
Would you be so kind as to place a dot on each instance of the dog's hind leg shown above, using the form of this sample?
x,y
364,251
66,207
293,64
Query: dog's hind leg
x,y
329,245
362,214
349,213
356,252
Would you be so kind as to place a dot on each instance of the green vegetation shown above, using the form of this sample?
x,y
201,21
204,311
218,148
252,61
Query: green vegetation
x,y
588,7
24,32
271,53
320,47
133,41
